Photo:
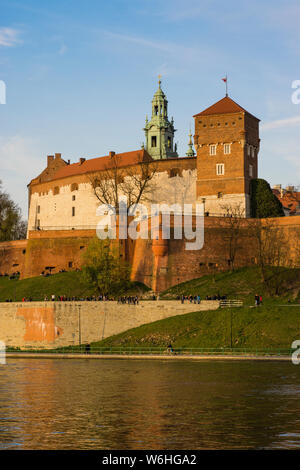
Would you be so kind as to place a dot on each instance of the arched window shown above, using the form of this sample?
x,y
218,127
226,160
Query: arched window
x,y
56,190
74,187
174,172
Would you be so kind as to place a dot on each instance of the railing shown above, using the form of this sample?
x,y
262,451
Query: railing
x,y
62,227
93,227
231,303
155,351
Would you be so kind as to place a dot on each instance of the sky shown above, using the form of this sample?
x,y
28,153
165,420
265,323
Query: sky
x,y
80,77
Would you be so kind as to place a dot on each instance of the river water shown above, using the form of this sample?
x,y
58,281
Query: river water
x,y
148,404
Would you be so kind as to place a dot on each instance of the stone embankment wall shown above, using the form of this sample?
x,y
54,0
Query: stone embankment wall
x,y
54,324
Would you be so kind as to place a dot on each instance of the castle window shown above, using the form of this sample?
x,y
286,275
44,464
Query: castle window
x,y
220,195
169,142
251,170
174,172
153,141
227,149
74,187
38,209
220,169
56,190
156,110
70,264
73,198
73,211
252,152
212,150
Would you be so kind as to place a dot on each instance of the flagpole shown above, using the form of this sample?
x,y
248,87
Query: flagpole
x,y
226,85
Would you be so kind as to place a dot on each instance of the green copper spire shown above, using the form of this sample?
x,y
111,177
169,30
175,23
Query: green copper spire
x,y
190,152
159,131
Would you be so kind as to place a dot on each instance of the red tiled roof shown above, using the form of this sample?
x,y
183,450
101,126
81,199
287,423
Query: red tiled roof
x,y
103,163
224,106
290,199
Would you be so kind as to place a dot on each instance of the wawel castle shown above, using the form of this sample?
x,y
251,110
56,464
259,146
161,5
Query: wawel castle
x,y
217,173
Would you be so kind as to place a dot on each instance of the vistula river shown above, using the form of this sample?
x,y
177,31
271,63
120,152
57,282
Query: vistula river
x,y
148,404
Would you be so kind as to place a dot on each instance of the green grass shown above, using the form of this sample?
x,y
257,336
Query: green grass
x,y
70,284
243,284
262,327
271,325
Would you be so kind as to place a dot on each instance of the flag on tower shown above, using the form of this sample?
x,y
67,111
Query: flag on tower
x,y
226,81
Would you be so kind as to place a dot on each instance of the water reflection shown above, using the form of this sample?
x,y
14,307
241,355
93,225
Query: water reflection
x,y
114,404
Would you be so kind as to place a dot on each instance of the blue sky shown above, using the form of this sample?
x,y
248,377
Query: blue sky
x,y
80,76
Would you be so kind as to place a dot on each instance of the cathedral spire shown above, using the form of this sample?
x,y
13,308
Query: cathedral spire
x,y
159,130
190,152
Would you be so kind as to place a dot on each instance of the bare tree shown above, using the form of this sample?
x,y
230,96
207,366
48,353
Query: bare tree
x,y
271,248
136,183
235,218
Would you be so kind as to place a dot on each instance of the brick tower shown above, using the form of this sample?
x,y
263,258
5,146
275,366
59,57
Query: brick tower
x,y
227,145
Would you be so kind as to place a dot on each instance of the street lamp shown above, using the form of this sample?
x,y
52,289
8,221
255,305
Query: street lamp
x,y
231,328
79,324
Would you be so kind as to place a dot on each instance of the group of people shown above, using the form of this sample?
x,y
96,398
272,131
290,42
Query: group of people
x,y
216,297
131,300
258,300
196,299
65,298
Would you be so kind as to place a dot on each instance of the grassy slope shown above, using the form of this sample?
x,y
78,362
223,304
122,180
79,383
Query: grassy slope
x,y
242,284
69,284
269,326
262,327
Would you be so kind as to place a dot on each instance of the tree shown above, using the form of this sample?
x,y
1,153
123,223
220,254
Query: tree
x,y
263,202
103,268
235,216
12,227
136,183
271,248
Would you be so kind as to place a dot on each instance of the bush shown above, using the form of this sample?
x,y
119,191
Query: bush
x,y
263,202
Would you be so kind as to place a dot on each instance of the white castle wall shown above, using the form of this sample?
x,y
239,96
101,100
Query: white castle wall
x,y
56,209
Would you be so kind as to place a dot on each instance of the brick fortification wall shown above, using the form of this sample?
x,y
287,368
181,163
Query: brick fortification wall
x,y
12,256
158,264
170,263
55,324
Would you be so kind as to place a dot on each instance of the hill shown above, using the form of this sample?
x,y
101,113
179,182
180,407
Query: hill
x,y
262,327
70,284
244,283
